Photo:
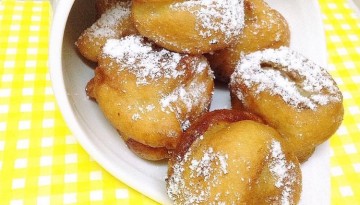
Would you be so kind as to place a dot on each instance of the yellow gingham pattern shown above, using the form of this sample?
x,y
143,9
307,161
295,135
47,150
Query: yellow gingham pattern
x,y
342,27
41,162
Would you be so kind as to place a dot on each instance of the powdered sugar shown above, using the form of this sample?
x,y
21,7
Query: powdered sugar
x,y
139,110
202,168
149,63
226,16
185,124
300,82
106,25
188,97
196,174
141,59
282,171
271,22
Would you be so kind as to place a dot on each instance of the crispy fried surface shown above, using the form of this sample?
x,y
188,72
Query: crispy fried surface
x,y
204,122
304,125
147,152
153,112
305,130
189,26
233,161
264,28
115,22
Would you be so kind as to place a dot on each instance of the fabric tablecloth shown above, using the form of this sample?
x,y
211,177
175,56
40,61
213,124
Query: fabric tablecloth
x,y
42,163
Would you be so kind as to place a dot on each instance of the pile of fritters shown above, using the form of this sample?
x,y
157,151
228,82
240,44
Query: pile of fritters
x,y
154,80
151,103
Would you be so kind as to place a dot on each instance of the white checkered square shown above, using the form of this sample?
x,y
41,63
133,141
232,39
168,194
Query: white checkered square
x,y
96,195
350,149
70,198
18,183
20,163
22,144
346,191
336,171
44,180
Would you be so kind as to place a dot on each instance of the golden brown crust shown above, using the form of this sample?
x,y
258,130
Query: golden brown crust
x,y
303,147
234,161
147,152
114,23
193,27
202,124
154,99
264,28
292,94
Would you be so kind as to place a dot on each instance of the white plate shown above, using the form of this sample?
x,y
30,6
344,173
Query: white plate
x,y
70,73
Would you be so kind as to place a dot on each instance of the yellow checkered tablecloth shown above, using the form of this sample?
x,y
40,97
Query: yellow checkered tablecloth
x,y
40,160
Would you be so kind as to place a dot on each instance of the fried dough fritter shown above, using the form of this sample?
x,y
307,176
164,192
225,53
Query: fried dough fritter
x,y
149,94
192,26
114,23
264,28
233,160
292,94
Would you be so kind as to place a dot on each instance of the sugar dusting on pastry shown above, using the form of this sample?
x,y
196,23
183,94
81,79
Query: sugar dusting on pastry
x,y
299,81
139,57
212,165
272,23
190,96
149,63
282,170
140,110
187,96
225,16
106,25
202,168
